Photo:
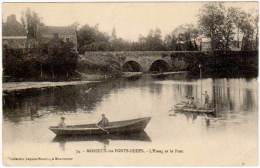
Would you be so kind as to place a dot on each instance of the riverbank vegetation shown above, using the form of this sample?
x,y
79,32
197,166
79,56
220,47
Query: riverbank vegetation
x,y
45,63
224,27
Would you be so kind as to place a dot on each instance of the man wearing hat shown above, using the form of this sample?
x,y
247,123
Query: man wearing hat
x,y
104,121
62,122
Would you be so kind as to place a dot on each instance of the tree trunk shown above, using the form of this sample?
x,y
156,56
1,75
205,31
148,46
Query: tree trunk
x,y
213,41
52,72
256,39
41,70
238,37
227,43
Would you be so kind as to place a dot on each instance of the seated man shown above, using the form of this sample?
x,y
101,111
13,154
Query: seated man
x,y
192,103
186,100
103,122
62,122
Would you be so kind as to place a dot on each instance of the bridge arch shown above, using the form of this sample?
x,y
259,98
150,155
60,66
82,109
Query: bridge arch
x,y
159,66
132,66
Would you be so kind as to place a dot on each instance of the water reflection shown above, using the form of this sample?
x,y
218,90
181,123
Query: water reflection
x,y
104,139
227,95
31,104
31,112
142,136
191,117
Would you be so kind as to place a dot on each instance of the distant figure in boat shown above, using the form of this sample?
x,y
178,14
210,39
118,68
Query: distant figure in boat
x,y
186,100
103,122
191,103
206,102
62,122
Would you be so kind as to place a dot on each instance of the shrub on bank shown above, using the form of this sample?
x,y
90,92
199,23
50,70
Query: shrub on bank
x,y
44,63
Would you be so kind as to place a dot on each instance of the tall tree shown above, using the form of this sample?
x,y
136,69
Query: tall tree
x,y
227,29
211,17
154,41
237,17
91,39
247,29
170,41
186,35
246,26
30,21
256,21
113,34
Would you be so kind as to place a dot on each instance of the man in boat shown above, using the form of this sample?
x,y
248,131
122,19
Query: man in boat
x,y
192,103
206,102
103,122
62,122
186,100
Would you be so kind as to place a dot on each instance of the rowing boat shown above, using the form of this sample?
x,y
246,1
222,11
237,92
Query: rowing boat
x,y
183,108
195,110
117,127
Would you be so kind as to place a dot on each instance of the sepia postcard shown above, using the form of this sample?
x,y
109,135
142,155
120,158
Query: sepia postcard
x,y
130,83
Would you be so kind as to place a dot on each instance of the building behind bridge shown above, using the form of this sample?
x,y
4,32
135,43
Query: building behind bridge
x,y
66,33
14,35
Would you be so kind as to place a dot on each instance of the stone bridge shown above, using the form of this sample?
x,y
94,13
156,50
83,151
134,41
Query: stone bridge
x,y
146,61
163,61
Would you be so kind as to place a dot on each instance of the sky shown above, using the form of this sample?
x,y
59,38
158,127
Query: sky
x,y
129,19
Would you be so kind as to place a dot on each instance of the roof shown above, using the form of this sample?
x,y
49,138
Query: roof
x,y
50,30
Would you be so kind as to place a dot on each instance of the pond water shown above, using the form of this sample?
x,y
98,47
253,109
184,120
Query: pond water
x,y
227,138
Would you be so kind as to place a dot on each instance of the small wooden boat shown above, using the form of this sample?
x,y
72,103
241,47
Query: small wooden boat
x,y
117,127
183,108
196,110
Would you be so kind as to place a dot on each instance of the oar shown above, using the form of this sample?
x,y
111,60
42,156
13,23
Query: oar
x,y
102,129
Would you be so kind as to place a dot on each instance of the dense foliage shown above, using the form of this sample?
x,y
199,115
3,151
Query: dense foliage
x,y
222,24
53,61
91,39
